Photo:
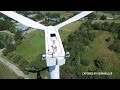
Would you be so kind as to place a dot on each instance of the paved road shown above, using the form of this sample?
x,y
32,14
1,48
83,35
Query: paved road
x,y
12,67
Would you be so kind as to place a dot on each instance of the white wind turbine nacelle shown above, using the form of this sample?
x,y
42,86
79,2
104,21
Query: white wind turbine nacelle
x,y
55,54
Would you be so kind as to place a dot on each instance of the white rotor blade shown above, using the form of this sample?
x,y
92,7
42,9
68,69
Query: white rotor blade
x,y
24,20
75,18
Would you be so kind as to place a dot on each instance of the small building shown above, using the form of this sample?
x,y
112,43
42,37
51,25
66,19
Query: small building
x,y
53,19
109,18
31,15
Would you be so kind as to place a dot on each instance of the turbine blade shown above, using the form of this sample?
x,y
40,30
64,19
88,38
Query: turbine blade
x,y
24,20
75,18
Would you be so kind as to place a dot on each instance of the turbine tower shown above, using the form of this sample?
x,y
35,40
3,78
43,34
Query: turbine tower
x,y
55,54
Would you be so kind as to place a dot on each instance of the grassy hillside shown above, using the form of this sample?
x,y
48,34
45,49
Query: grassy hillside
x,y
107,14
66,30
99,48
110,21
99,13
62,13
31,46
5,73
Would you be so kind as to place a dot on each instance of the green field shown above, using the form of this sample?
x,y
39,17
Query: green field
x,y
66,30
99,48
31,46
5,73
99,13
62,13
110,21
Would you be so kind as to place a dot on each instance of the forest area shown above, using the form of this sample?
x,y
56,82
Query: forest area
x,y
78,43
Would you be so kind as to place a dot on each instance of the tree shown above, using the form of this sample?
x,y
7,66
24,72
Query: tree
x,y
88,23
2,25
63,19
18,35
91,16
48,14
76,44
7,25
68,72
9,48
119,36
38,63
1,45
97,26
16,58
115,46
99,63
103,17
4,16
85,62
23,63
37,66
39,16
106,26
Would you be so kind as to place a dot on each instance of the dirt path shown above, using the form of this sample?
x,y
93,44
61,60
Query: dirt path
x,y
12,67
8,32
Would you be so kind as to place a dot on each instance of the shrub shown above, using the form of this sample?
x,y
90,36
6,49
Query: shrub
x,y
23,64
10,55
17,58
99,63
85,62
18,42
9,48
103,17
20,77
1,45
115,46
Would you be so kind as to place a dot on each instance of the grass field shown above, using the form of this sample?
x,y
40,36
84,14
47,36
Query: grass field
x,y
5,73
99,48
62,13
66,30
102,13
31,46
110,21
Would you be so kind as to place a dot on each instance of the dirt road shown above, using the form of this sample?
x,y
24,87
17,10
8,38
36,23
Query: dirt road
x,y
12,67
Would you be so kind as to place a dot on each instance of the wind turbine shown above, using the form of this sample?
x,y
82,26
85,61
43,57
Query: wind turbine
x,y
55,54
